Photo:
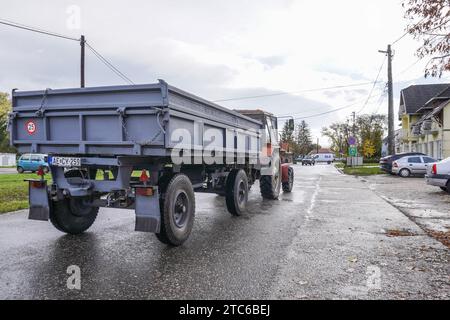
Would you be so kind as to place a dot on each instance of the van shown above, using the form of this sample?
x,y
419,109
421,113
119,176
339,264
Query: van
x,y
324,157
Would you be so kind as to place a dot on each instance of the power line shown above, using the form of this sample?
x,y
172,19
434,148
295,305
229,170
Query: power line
x,y
382,97
373,87
406,33
409,67
37,30
109,64
54,34
295,92
329,111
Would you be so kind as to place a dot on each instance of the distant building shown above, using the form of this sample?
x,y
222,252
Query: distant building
x,y
321,151
425,115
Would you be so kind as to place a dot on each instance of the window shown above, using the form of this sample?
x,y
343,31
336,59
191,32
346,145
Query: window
x,y
428,160
414,160
25,157
35,157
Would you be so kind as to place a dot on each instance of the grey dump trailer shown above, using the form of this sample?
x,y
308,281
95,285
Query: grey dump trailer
x,y
142,147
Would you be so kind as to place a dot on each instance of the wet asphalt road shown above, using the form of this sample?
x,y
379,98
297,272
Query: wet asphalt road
x,y
302,246
7,170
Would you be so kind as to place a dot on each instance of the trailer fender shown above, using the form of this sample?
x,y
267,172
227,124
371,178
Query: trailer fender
x,y
285,172
272,169
148,216
38,200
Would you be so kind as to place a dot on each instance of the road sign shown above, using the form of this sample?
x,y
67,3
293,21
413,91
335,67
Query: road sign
x,y
352,151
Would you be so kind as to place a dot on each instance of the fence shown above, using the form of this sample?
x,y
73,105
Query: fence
x,y
7,159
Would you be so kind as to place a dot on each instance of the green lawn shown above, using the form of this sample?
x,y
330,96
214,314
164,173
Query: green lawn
x,y
14,191
362,171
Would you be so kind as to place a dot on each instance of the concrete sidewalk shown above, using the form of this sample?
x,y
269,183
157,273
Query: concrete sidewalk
x,y
343,249
6,170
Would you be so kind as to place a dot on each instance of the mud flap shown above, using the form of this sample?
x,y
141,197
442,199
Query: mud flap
x,y
147,211
38,200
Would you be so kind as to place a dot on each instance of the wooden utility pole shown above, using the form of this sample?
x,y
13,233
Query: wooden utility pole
x,y
391,142
82,44
317,146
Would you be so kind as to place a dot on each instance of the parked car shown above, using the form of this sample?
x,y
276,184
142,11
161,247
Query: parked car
x,y
324,157
386,162
412,165
298,159
32,162
438,174
308,161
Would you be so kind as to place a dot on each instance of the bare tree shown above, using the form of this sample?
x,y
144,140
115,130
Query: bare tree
x,y
433,29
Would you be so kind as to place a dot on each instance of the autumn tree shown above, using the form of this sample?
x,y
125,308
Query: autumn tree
x,y
368,127
5,108
338,133
433,30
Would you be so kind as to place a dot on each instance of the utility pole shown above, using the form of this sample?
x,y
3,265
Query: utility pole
x,y
82,44
391,143
354,121
317,146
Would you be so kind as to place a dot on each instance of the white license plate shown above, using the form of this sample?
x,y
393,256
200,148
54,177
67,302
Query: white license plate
x,y
65,162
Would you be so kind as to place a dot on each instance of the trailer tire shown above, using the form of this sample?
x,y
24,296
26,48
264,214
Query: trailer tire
x,y
71,216
177,207
287,186
236,192
270,185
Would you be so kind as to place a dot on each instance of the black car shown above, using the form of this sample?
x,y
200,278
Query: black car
x,y
386,162
308,161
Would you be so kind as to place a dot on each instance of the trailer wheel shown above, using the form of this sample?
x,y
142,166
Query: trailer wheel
x,y
177,210
73,216
270,185
236,193
287,186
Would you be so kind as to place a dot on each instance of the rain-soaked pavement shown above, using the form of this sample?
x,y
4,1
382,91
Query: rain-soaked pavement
x,y
326,240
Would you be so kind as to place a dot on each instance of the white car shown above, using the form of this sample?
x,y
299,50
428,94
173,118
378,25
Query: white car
x,y
438,174
324,157
412,165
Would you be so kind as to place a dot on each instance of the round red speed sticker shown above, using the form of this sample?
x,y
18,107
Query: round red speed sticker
x,y
31,127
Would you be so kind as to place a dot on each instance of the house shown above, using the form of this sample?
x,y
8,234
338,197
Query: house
x,y
425,117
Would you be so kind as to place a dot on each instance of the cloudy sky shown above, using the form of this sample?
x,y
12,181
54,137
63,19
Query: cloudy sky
x,y
219,50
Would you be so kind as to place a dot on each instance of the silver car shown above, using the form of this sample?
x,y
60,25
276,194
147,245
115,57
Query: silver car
x,y
412,165
438,174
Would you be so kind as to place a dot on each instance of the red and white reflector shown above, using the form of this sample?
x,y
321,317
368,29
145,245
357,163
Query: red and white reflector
x,y
146,192
37,184
144,177
40,171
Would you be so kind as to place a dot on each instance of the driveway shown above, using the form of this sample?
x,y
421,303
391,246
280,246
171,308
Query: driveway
x,y
329,239
428,206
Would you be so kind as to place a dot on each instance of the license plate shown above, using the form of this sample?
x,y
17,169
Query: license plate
x,y
65,162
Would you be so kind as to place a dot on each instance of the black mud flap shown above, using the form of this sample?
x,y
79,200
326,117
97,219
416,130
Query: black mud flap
x,y
38,200
147,209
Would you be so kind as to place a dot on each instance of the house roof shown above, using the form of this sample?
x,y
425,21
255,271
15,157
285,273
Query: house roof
x,y
416,96
435,101
437,108
322,151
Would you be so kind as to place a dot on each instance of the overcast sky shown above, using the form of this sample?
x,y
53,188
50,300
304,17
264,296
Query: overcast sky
x,y
218,50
